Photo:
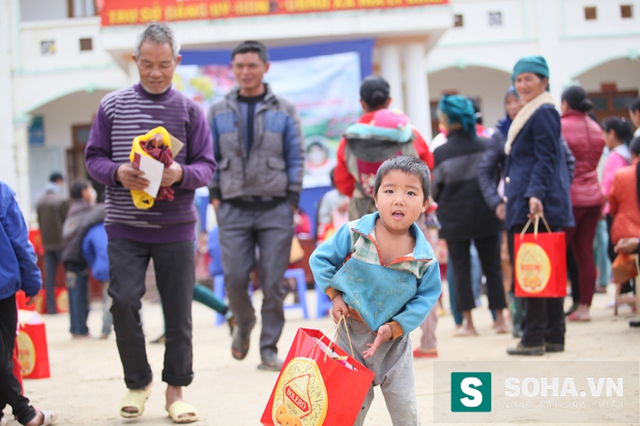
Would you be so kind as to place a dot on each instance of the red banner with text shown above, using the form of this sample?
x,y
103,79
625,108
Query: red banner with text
x,y
134,12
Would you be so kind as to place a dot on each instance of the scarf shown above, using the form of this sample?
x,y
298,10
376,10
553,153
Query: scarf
x,y
524,115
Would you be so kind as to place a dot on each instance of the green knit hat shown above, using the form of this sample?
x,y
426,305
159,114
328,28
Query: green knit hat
x,y
459,110
534,64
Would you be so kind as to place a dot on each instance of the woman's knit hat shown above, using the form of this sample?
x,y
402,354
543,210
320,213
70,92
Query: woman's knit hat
x,y
459,110
535,64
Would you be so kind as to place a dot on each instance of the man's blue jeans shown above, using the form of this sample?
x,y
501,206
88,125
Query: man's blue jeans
x,y
51,260
78,288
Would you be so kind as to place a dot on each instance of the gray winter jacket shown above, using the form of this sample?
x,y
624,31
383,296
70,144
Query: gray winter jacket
x,y
273,167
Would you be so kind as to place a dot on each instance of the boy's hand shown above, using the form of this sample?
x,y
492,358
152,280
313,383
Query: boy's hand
x,y
31,300
339,308
384,334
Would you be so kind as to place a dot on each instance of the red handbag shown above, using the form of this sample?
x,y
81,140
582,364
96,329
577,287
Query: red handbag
x,y
33,353
319,384
540,262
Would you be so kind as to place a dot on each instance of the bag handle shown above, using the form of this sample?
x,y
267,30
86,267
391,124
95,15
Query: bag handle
x,y
535,226
332,341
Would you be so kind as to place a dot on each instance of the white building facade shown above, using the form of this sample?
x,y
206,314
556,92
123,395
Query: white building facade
x,y
62,62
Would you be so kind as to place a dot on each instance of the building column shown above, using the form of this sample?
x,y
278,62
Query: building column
x,y
7,153
417,91
21,143
391,71
548,35
134,75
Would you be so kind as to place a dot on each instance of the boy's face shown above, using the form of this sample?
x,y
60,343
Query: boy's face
x,y
400,200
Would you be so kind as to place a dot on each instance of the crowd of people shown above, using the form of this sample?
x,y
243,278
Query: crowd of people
x,y
396,195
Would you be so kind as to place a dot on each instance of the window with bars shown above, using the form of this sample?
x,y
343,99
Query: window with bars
x,y
626,11
590,13
86,44
495,19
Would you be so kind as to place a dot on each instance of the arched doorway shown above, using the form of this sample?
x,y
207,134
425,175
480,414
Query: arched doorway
x,y
487,84
612,86
63,127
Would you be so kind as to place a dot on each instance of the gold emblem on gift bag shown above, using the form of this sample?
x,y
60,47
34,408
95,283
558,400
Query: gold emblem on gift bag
x,y
26,353
533,267
300,395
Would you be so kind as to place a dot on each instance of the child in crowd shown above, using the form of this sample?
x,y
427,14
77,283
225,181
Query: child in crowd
x,y
94,251
381,274
19,271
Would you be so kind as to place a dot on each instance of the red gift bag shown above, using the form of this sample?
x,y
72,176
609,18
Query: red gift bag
x,y
319,384
21,298
62,300
540,263
33,353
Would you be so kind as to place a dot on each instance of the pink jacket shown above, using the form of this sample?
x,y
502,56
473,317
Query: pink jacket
x,y
617,158
584,137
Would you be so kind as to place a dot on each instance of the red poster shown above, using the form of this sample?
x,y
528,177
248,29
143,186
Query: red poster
x,y
135,12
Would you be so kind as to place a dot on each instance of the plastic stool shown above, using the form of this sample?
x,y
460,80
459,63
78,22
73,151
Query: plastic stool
x,y
301,288
324,303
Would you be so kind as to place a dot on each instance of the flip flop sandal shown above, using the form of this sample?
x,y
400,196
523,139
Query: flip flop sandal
x,y
240,344
49,417
419,354
134,398
181,412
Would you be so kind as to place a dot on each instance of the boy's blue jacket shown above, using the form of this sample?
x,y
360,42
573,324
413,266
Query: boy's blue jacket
x,y
18,268
94,251
400,294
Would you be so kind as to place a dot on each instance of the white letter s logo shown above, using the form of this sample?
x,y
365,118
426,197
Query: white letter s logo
x,y
468,387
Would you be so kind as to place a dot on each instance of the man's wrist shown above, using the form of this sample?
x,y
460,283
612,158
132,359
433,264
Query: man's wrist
x,y
293,198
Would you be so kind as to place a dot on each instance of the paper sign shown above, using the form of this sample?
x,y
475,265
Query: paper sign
x,y
152,172
176,146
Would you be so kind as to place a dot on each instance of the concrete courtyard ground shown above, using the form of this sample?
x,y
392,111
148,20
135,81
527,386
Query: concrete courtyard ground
x,y
86,382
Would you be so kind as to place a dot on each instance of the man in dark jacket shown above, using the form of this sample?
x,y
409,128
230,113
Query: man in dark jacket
x,y
52,209
258,145
81,216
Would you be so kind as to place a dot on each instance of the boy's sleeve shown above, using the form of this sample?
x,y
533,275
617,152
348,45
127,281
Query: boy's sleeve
x,y
416,310
18,233
329,257
87,249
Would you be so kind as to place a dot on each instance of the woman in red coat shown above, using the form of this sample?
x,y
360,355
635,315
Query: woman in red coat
x,y
585,139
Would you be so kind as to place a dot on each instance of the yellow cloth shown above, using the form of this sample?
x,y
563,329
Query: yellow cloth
x,y
141,199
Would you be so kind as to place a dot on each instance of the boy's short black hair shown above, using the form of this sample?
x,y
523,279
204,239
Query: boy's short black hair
x,y
408,164
55,177
75,192
251,46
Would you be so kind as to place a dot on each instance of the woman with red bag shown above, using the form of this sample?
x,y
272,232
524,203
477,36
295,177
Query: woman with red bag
x,y
537,184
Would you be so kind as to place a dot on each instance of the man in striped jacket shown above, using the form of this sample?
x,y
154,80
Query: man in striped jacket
x,y
166,231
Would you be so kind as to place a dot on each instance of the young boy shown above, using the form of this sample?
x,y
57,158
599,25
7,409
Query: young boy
x,y
18,271
381,274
